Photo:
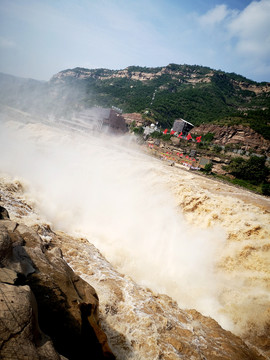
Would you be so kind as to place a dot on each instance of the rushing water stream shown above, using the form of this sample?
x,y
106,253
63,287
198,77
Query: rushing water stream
x,y
167,229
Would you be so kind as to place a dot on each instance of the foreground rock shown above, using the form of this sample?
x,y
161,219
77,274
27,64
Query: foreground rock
x,y
40,294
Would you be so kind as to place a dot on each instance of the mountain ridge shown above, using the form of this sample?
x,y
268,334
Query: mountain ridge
x,y
170,68
195,93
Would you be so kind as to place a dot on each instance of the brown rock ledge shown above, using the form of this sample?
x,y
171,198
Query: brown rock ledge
x,y
40,294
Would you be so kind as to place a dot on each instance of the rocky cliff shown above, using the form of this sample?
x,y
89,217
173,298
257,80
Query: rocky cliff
x,y
45,308
183,73
40,294
240,135
133,73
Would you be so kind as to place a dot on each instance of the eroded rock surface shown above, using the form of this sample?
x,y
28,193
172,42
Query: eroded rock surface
x,y
40,294
237,134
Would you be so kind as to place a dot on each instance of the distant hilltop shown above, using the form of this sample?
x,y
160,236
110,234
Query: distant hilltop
x,y
198,94
184,74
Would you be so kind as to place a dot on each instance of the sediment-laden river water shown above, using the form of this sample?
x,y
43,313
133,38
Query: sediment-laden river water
x,y
203,243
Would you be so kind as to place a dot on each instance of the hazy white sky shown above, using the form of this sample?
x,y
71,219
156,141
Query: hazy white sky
x,y
38,38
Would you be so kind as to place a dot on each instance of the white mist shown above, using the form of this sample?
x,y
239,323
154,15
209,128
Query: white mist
x,y
106,190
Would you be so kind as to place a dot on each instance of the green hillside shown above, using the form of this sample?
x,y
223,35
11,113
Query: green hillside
x,y
197,94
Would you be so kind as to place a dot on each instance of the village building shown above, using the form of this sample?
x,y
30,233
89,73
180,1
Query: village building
x,y
204,161
181,125
115,121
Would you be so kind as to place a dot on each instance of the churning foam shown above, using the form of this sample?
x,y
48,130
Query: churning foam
x,y
108,191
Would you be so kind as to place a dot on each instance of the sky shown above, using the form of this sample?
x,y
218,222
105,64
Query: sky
x,y
39,38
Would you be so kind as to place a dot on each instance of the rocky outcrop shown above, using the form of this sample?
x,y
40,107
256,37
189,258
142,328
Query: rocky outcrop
x,y
40,294
134,118
137,75
253,87
21,337
3,213
182,73
231,135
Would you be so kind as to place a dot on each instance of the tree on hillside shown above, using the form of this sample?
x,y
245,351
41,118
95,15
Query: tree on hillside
x,y
208,168
253,169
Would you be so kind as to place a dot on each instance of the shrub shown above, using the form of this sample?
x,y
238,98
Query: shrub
x,y
138,130
208,168
217,149
156,135
208,137
166,137
253,169
266,189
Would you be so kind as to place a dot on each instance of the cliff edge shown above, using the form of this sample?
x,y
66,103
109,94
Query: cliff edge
x,y
45,308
